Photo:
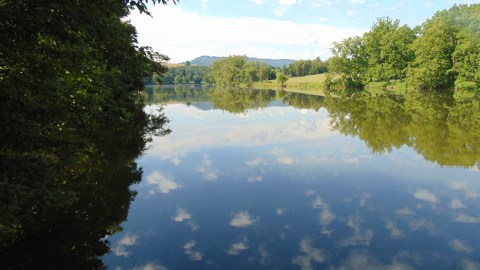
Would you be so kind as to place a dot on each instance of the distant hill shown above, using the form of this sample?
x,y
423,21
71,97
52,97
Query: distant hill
x,y
208,60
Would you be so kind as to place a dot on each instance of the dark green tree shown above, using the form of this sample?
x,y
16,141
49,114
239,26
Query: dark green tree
x,y
70,72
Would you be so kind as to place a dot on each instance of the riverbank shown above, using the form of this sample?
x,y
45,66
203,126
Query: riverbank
x,y
311,84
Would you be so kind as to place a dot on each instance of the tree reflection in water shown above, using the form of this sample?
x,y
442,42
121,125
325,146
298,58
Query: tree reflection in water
x,y
63,222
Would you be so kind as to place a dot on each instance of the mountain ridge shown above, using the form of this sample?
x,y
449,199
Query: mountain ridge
x,y
206,60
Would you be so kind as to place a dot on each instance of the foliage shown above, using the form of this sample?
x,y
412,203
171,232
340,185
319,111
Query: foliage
x,y
235,70
439,126
443,52
73,77
348,65
433,63
305,67
281,79
187,74
387,49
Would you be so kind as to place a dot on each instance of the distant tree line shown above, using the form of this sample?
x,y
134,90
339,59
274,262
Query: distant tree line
x,y
186,74
305,67
235,70
443,52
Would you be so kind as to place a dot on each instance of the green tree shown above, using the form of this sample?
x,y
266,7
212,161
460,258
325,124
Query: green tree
x,y
466,57
387,46
281,79
349,63
432,67
229,71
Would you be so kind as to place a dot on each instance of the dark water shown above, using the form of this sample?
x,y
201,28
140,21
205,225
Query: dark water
x,y
271,180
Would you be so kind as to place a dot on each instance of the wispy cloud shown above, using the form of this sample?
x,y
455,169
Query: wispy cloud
x,y
120,248
395,232
360,236
209,173
237,248
192,254
151,266
460,246
457,204
309,255
463,218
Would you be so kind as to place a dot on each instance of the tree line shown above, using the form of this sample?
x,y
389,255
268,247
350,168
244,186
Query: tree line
x,y
235,70
443,52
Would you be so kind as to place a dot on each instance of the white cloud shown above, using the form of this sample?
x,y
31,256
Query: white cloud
x,y
470,265
120,248
310,192
281,156
182,215
192,254
163,183
151,266
457,204
395,232
468,191
360,236
405,212
237,248
194,35
242,219
460,246
281,211
310,255
463,218
208,172
255,162
425,195
266,130
326,216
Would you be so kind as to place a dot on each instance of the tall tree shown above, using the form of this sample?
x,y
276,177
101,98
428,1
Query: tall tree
x,y
229,71
387,47
432,67
349,63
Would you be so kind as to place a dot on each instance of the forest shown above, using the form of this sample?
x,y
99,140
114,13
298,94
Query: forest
x,y
443,52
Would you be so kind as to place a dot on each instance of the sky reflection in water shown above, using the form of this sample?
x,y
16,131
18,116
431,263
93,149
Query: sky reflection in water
x,y
277,188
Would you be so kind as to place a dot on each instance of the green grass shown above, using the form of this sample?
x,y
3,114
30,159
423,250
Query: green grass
x,y
311,84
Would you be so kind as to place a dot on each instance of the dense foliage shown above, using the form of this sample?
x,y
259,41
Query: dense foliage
x,y
443,52
186,74
305,67
235,70
70,73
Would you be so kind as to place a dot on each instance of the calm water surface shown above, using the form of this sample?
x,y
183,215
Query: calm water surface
x,y
265,180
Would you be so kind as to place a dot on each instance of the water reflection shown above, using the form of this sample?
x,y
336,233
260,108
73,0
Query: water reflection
x,y
67,223
317,183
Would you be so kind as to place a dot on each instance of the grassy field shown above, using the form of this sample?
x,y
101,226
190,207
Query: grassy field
x,y
311,84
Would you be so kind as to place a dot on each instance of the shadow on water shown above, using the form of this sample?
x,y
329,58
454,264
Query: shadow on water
x,y
62,218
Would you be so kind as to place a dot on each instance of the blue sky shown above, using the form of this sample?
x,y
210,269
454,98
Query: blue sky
x,y
293,29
